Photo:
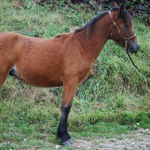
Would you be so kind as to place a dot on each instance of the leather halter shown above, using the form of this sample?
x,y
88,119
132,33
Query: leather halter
x,y
126,43
121,34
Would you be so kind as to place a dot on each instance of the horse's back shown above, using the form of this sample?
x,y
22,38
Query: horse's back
x,y
9,36
8,40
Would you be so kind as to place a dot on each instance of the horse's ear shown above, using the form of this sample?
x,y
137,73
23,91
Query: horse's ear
x,y
113,4
122,8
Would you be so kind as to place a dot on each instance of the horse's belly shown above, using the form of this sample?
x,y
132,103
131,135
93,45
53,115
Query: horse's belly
x,y
38,78
43,80
43,83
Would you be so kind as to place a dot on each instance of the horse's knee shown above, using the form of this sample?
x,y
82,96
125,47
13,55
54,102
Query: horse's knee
x,y
65,111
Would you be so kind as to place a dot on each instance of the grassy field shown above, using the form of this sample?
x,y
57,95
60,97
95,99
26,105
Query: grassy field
x,y
111,101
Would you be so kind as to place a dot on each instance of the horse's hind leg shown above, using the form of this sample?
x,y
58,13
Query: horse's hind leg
x,y
3,77
4,69
70,86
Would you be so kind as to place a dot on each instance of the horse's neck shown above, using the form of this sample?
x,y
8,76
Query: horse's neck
x,y
94,43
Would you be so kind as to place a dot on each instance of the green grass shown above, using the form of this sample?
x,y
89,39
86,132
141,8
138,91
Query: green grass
x,y
111,101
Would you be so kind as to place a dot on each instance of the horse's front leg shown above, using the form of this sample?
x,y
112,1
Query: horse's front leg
x,y
70,86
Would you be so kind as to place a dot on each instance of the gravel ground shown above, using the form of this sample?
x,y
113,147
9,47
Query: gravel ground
x,y
136,140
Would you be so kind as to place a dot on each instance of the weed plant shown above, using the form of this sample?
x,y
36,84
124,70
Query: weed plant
x,y
111,101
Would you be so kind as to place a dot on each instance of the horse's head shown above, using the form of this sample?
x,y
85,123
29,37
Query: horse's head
x,y
122,31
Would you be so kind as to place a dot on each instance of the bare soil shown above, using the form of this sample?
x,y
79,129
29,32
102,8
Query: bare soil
x,y
136,140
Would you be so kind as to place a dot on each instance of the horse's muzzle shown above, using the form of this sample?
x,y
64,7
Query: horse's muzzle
x,y
133,46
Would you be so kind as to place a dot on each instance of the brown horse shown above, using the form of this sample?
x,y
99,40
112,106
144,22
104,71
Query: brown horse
x,y
67,59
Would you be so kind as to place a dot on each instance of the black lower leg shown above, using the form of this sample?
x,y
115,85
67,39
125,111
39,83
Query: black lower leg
x,y
62,129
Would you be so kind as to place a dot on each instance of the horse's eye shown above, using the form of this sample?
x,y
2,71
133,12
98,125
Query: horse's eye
x,y
126,26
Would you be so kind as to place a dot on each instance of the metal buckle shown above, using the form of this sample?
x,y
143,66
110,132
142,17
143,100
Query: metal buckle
x,y
114,24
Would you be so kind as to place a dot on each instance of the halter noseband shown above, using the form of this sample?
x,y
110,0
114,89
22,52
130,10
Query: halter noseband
x,y
126,42
121,34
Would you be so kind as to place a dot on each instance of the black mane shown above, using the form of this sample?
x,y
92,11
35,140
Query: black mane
x,y
89,25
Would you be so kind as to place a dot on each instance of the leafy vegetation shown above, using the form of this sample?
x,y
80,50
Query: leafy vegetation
x,y
111,101
145,18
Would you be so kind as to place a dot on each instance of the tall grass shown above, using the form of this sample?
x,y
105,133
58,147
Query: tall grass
x,y
115,94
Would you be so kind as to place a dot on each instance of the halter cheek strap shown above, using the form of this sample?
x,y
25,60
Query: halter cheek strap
x,y
126,42
121,34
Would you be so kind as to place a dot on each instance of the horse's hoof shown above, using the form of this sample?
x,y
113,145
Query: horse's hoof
x,y
66,143
70,141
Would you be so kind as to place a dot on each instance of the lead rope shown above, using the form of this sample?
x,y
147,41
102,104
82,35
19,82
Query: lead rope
x,y
137,67
126,44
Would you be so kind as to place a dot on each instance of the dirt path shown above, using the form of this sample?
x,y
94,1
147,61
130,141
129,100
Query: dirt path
x,y
137,140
